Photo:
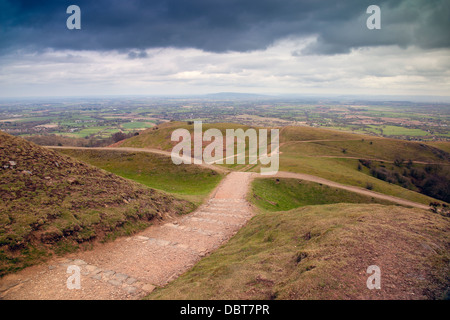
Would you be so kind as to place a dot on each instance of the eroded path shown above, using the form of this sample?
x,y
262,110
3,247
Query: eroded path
x,y
130,268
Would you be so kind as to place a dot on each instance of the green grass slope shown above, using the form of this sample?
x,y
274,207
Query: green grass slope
x,y
51,203
275,194
160,137
304,133
443,145
153,170
309,141
345,171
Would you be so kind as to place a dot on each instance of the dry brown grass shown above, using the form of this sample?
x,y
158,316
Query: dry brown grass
x,y
322,252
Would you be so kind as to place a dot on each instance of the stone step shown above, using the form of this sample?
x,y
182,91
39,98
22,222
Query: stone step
x,y
221,215
209,226
212,221
130,268
173,244
229,206
216,200
129,284
149,256
199,242
195,230
234,210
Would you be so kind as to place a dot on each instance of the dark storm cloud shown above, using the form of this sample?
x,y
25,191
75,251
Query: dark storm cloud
x,y
220,25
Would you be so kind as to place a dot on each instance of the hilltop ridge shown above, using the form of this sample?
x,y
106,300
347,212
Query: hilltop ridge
x,y
53,203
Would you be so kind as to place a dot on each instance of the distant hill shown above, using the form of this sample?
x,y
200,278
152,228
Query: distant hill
x,y
236,95
51,203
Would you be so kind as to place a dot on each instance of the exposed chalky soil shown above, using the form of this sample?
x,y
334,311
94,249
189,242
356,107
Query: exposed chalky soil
x,y
130,268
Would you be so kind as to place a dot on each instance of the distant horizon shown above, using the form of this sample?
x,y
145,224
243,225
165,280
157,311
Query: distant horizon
x,y
248,95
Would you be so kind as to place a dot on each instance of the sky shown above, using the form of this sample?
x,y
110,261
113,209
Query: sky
x,y
163,47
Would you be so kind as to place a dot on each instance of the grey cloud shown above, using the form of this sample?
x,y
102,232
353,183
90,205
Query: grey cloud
x,y
220,25
137,55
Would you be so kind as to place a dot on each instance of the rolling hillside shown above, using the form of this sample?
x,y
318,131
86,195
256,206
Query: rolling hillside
x,y
307,240
309,141
332,155
51,203
159,137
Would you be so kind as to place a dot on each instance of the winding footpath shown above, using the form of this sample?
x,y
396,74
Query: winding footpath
x,y
131,267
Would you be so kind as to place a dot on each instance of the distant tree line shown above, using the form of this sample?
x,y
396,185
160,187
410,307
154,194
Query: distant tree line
x,y
432,180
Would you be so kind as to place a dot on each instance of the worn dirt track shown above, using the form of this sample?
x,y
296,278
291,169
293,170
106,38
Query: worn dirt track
x,y
303,176
131,267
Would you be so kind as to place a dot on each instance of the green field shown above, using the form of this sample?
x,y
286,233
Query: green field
x,y
398,131
86,132
137,125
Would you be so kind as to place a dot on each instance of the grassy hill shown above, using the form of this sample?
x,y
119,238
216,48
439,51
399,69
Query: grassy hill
x,y
159,137
379,148
323,252
153,170
443,145
327,153
51,203
309,141
346,171
310,241
304,133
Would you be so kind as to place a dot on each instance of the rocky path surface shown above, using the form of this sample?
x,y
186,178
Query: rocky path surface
x,y
131,267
